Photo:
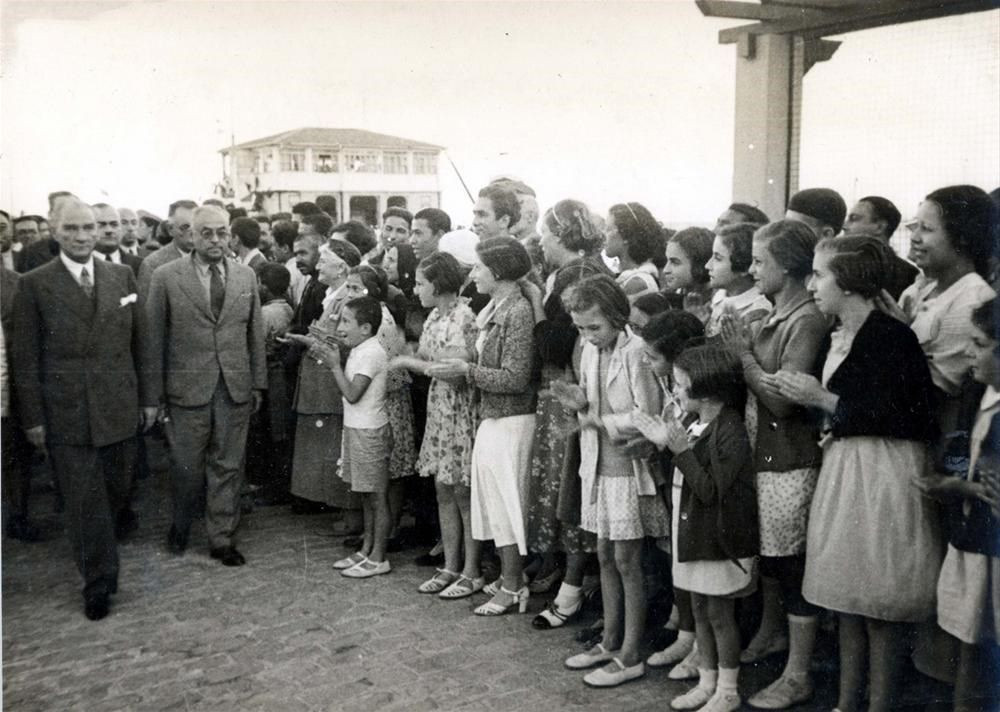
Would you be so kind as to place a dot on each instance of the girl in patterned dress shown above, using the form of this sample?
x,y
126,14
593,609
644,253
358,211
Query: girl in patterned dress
x,y
619,501
450,331
786,455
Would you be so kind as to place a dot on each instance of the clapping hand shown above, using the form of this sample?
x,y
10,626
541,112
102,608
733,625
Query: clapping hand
x,y
947,487
797,387
570,395
886,304
663,433
449,369
735,333
639,448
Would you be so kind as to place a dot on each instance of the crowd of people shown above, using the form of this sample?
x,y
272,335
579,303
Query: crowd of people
x,y
781,408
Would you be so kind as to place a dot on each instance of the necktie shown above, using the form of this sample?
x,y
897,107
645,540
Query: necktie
x,y
85,283
217,290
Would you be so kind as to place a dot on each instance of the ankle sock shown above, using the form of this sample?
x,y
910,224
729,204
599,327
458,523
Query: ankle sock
x,y
707,679
568,595
685,635
728,678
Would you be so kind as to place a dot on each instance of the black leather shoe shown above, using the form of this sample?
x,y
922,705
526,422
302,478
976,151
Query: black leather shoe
x,y
126,523
96,605
228,555
176,542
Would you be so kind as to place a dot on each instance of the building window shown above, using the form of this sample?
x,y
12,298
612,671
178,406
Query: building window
x,y
264,163
361,161
293,161
425,163
395,162
326,162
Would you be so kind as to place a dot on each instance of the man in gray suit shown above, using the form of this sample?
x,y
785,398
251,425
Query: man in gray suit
x,y
207,364
179,221
78,338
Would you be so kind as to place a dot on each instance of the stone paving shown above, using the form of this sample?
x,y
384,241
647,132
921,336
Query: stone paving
x,y
285,632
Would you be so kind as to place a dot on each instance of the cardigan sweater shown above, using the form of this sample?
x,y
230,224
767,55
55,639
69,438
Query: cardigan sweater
x,y
718,515
507,368
790,338
884,385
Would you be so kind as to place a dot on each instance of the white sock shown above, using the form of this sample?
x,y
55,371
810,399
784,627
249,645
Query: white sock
x,y
685,635
568,595
728,678
707,679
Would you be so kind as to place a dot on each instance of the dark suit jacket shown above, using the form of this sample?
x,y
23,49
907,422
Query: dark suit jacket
x,y
132,262
75,358
190,350
38,253
8,291
257,261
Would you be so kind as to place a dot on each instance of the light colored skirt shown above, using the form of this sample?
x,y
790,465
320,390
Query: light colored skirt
x,y
874,547
783,500
708,578
969,596
501,460
620,512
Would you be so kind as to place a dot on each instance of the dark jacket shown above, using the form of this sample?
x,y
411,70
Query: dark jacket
x,y
75,358
38,253
718,517
556,335
974,528
884,385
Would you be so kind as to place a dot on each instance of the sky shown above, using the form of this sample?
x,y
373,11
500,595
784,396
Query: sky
x,y
129,102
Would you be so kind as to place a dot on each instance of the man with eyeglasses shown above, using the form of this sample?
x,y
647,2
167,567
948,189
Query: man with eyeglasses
x,y
179,222
207,364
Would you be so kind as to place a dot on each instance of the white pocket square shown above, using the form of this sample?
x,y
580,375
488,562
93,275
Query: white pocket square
x,y
130,299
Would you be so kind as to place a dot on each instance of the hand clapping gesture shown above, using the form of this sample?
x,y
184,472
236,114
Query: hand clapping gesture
x,y
735,333
570,395
797,387
667,433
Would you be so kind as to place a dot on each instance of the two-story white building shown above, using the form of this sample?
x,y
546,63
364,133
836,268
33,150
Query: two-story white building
x,y
366,172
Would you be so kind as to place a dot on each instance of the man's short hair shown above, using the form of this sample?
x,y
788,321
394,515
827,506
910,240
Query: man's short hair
x,y
884,210
401,213
285,232
752,214
519,187
236,213
504,202
305,208
366,310
178,204
23,218
214,201
53,197
327,203
822,204
320,222
275,277
345,251
247,230
262,219
281,216
358,234
437,220
5,214
101,206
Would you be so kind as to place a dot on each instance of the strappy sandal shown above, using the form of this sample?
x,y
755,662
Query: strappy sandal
x,y
519,598
554,616
462,587
544,584
438,582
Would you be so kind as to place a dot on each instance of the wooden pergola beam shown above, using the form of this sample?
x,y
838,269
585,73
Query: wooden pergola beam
x,y
751,11
863,17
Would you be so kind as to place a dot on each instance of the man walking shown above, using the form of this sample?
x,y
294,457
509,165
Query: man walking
x,y
78,338
207,364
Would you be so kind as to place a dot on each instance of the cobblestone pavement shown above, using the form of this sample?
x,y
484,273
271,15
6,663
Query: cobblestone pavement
x,y
285,632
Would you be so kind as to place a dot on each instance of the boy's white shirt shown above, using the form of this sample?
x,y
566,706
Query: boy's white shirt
x,y
367,359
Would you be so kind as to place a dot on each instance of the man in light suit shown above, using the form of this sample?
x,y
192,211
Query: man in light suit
x,y
208,368
179,221
78,338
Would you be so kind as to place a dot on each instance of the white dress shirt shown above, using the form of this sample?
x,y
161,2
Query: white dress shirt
x,y
76,268
115,256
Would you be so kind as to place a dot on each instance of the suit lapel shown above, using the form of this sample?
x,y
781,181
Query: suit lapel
x,y
65,289
107,295
191,285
